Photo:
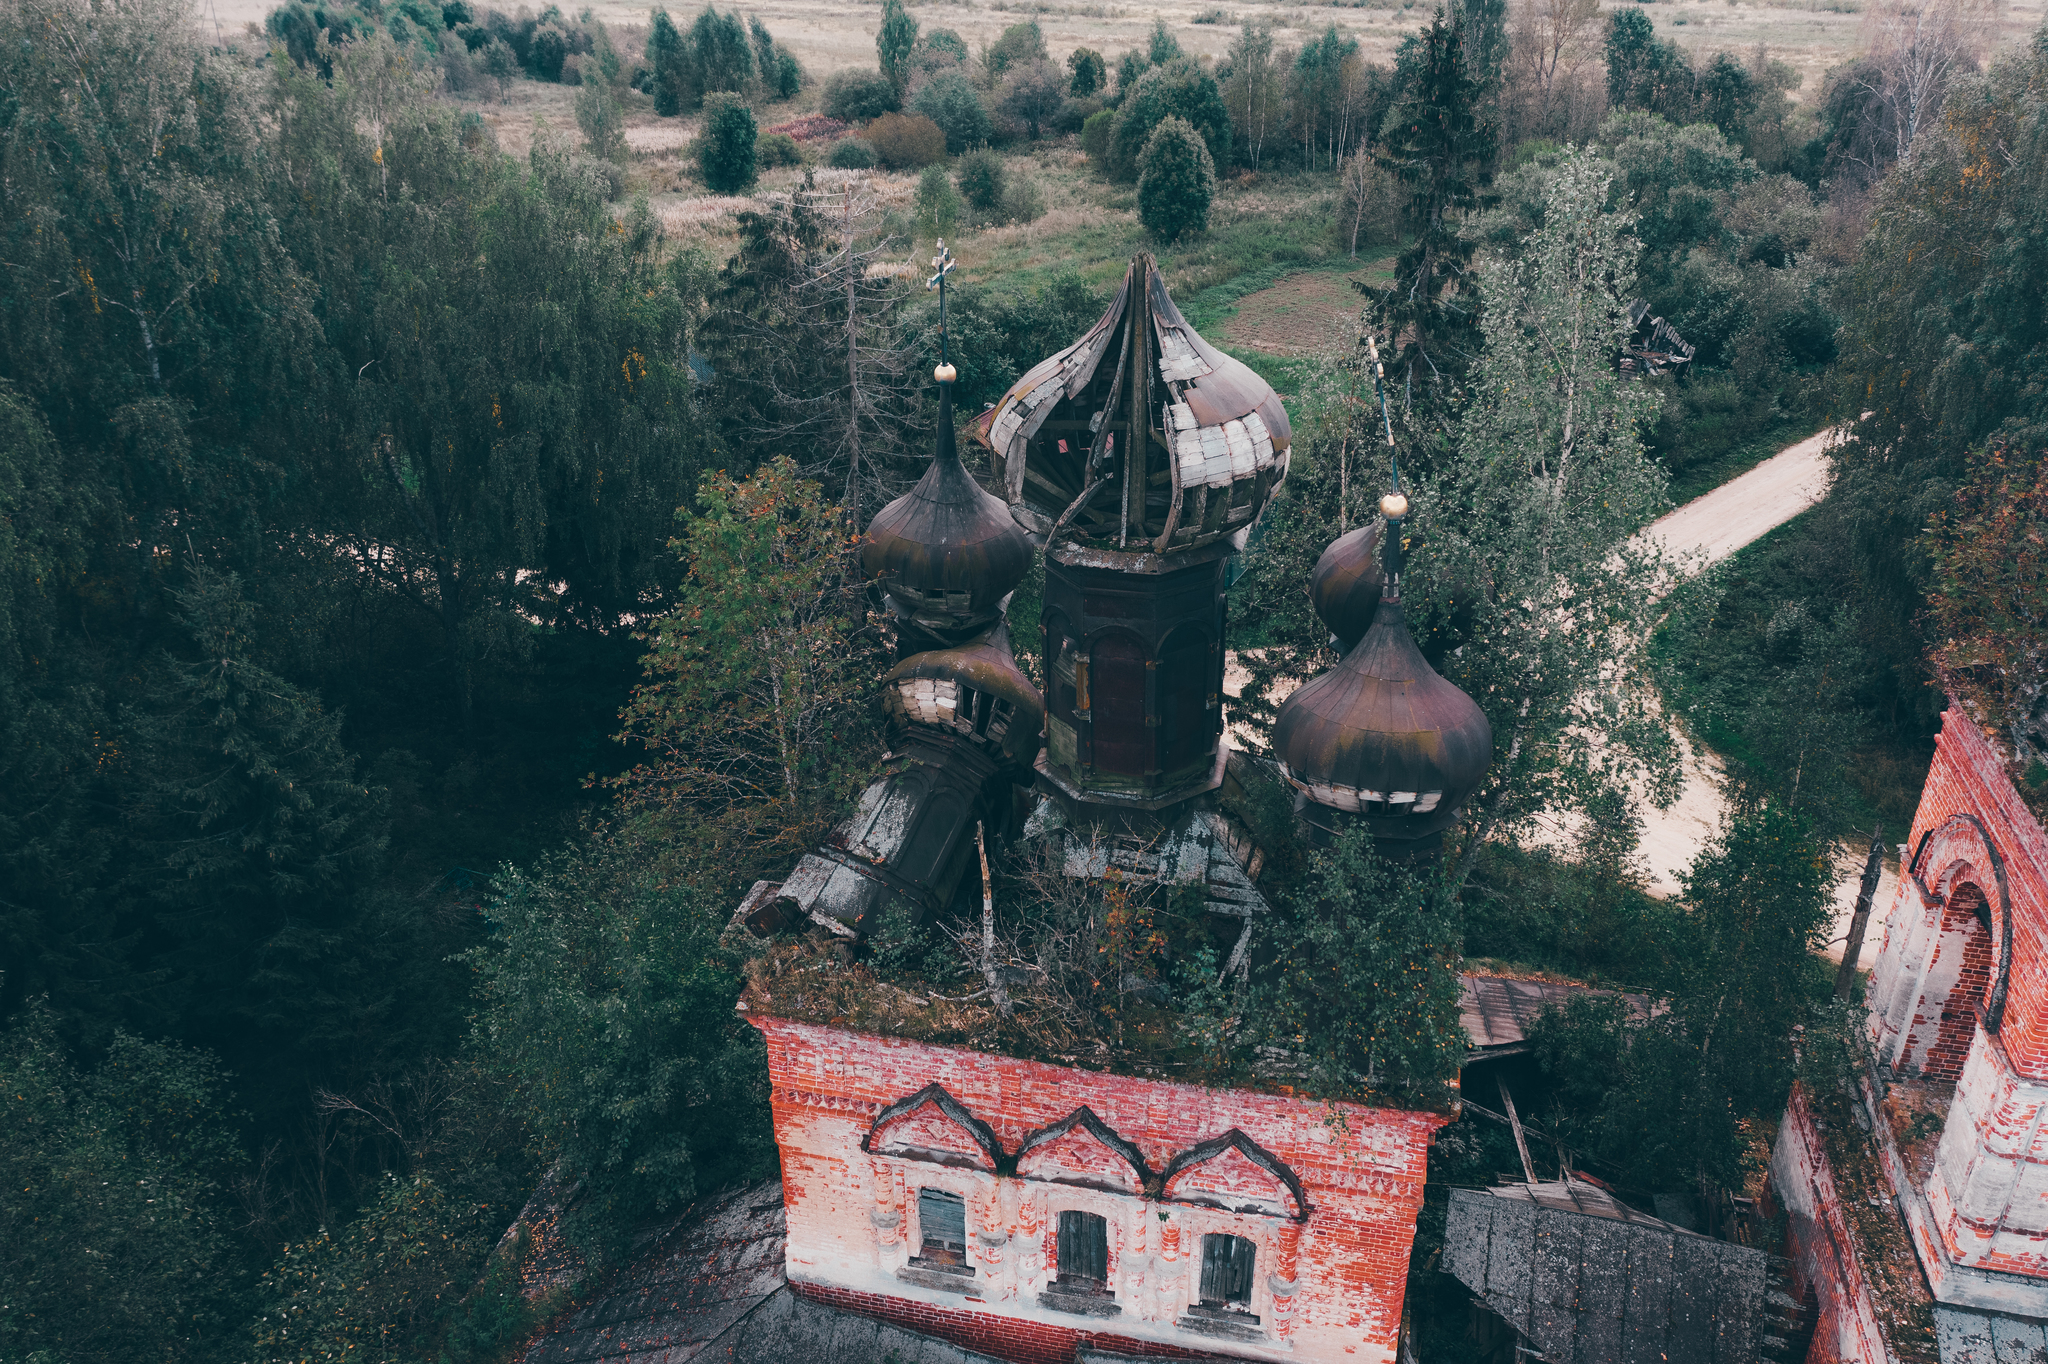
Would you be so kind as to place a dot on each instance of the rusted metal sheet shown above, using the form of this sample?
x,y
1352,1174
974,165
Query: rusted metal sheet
x,y
946,552
1194,441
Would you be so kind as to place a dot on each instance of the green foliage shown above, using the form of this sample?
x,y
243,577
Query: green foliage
x,y
1363,986
1162,47
894,45
938,203
1527,560
1017,45
1644,71
788,81
1087,73
1665,1100
851,153
602,121
1437,144
1176,181
607,998
1032,95
777,149
997,334
721,55
951,101
906,141
667,53
1178,89
1320,90
1773,658
853,96
982,179
1130,69
751,709
725,149
1943,337
384,1286
1096,131
112,1248
1990,603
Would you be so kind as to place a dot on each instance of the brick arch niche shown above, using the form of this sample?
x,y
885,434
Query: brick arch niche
x,y
1956,987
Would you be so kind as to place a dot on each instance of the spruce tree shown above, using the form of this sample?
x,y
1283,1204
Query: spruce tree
x,y
671,66
1437,144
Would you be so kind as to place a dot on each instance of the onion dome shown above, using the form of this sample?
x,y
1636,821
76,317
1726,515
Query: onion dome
x,y
977,691
946,553
1382,737
1345,585
1212,445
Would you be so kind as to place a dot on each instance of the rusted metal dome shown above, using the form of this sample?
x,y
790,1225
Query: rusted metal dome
x,y
1140,435
1382,737
977,691
1345,586
946,552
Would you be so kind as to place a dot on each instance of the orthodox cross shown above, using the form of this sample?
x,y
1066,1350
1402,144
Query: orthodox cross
x,y
942,266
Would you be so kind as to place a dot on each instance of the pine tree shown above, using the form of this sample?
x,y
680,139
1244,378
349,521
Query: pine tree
x,y
1437,144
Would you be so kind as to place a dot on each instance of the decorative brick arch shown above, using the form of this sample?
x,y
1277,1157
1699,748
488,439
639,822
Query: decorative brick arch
x,y
934,1126
1963,849
1083,1150
1234,1173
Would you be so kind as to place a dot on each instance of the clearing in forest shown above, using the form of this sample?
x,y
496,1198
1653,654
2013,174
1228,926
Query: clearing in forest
x,y
1303,313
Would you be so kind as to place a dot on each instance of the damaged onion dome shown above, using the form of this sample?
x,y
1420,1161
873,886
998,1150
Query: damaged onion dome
x,y
1383,739
978,692
946,553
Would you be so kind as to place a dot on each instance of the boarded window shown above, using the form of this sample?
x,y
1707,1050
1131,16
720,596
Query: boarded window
x,y
1227,1271
1084,1250
943,1219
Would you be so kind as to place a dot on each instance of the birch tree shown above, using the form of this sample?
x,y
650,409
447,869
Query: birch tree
x,y
1527,548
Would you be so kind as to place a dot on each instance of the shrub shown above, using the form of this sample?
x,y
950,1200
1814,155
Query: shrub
x,y
1022,203
1095,134
938,206
789,75
458,69
981,180
501,65
725,149
853,153
550,49
1163,46
1032,94
1088,74
1176,181
777,149
598,115
1074,114
906,141
859,96
950,101
1179,89
1018,45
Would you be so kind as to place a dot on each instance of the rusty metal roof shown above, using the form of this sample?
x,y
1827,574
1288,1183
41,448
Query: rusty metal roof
x,y
1382,735
1497,1012
947,551
1345,585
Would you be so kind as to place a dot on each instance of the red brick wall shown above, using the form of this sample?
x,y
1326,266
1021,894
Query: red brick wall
x,y
1956,1023
1824,1251
1967,778
1004,1337
1328,1287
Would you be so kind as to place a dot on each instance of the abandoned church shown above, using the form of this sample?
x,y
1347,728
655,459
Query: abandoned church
x,y
949,1198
